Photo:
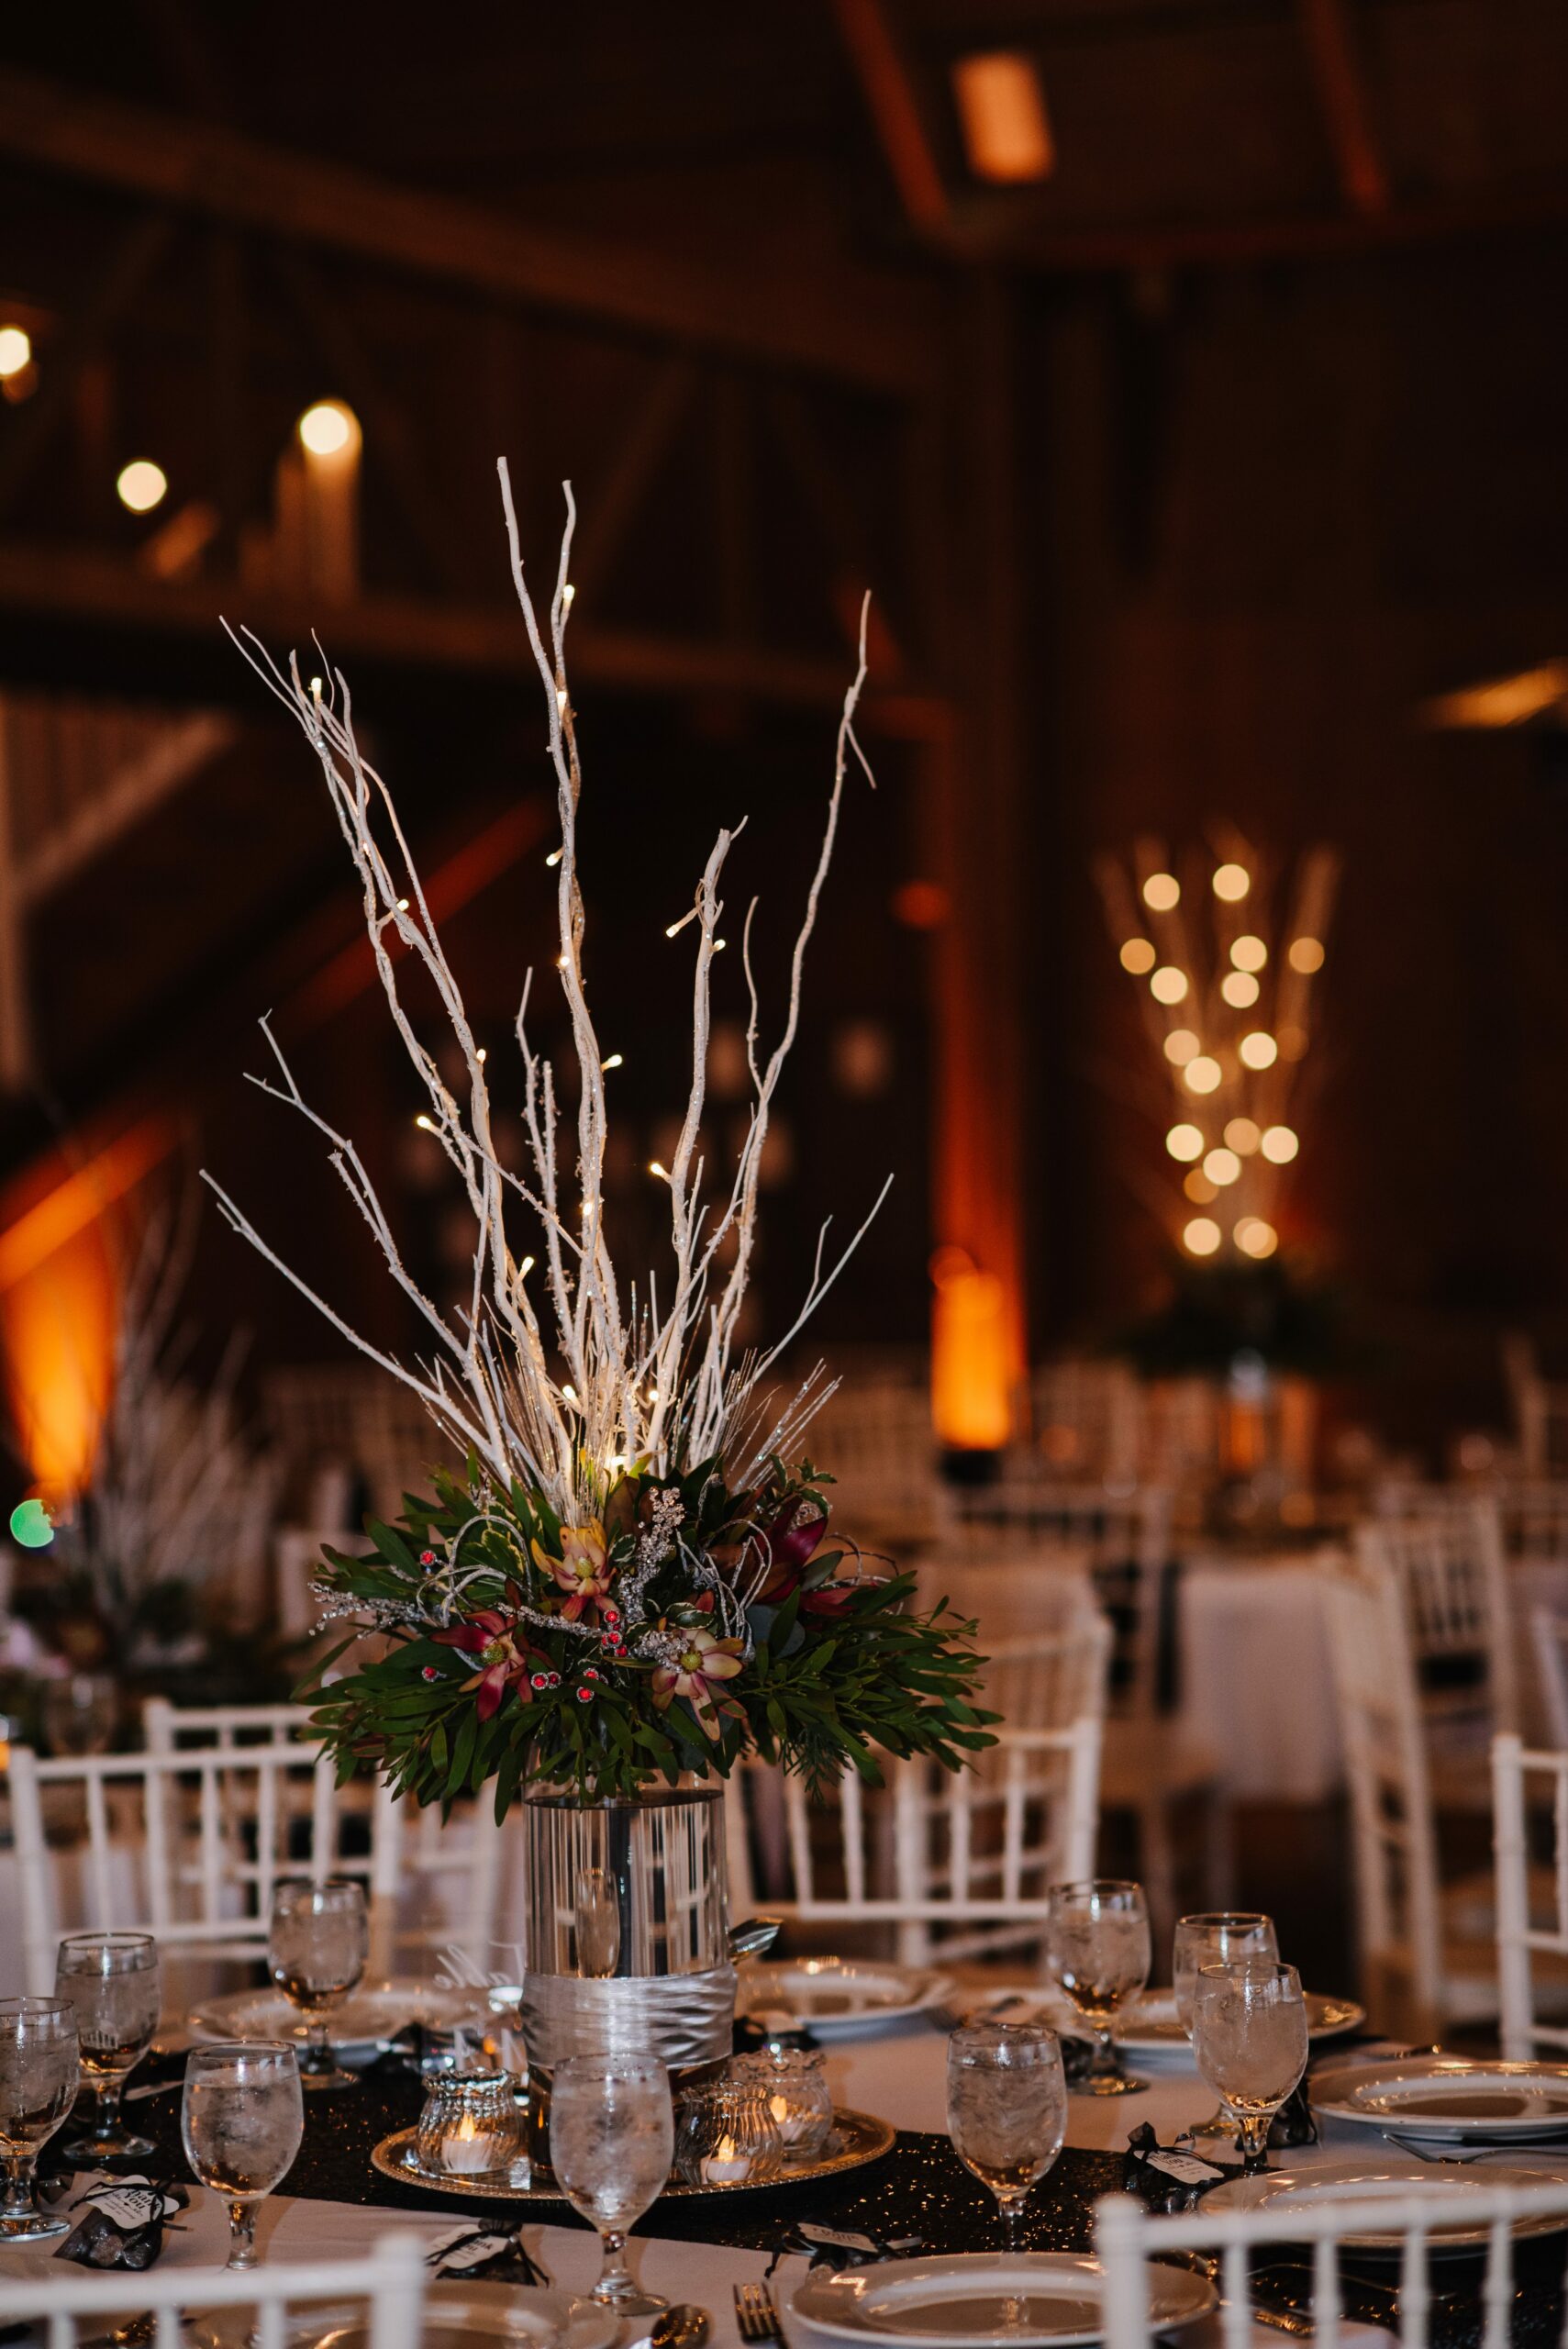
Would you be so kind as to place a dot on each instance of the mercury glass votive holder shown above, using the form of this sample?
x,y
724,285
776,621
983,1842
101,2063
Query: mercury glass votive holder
x,y
726,2134
795,2082
470,2124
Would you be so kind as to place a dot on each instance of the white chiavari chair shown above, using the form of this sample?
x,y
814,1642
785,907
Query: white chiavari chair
x,y
1541,1412
953,1864
885,1491
1422,1966
166,1728
1531,1902
1448,1564
187,1846
390,2279
1549,1639
1128,2236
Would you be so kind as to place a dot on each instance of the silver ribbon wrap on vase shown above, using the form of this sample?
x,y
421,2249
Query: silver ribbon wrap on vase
x,y
628,1927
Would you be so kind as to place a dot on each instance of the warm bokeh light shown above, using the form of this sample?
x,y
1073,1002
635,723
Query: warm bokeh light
x,y
1162,891
1202,1074
1232,882
1256,1237
1239,989
1242,1136
1198,1187
1280,1145
1138,956
926,905
1181,1046
1201,1237
1259,1049
328,428
142,486
1291,1042
1168,985
1306,954
1249,953
1185,1142
970,1354
15,351
1001,113
1222,1166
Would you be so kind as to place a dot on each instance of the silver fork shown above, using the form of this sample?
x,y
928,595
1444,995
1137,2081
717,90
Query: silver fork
x,y
756,2314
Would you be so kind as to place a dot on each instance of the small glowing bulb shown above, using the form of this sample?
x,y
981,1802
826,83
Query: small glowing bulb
x,y
1202,1074
1232,882
480,1054
1168,985
1280,1145
1239,989
569,1394
555,856
525,1268
1242,1136
1256,1237
15,351
424,1124
560,701
403,905
1138,956
315,691
1181,1046
1198,1187
142,486
1249,953
560,962
655,1168
671,928
615,1060
718,945
1185,1142
567,594
1222,1166
1201,1237
1161,892
654,1394
1306,954
328,427
1259,1049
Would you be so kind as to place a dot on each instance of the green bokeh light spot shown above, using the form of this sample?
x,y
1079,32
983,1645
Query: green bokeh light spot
x,y
32,1525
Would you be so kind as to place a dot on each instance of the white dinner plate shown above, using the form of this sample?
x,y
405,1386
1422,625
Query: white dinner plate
x,y
456,2312
1154,2028
961,2301
1445,2097
375,2011
1345,2180
835,1997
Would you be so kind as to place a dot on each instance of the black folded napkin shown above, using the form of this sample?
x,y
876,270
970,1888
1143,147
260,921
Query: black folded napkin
x,y
1293,2124
1168,2177
837,2248
479,2255
123,2223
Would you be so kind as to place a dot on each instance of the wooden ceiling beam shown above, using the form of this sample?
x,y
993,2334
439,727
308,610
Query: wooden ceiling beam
x,y
877,54
99,589
1330,37
858,327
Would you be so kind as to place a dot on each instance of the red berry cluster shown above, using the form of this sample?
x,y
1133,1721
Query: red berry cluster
x,y
427,1557
429,1673
544,1680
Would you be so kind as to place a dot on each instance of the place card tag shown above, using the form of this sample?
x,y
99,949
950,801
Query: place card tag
x,y
1185,2168
133,2202
459,2251
477,2252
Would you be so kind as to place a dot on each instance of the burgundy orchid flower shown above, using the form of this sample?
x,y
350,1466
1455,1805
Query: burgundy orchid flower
x,y
789,1543
491,1638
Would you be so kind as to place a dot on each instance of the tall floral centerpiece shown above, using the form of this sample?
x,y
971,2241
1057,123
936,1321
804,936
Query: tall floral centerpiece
x,y
633,1584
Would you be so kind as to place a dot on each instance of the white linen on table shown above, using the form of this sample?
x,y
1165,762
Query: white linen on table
x,y
1255,1681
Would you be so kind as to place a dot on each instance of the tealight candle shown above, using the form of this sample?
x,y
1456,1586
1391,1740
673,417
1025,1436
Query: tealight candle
x,y
726,2166
468,2149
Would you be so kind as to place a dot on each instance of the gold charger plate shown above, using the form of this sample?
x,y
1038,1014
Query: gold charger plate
x,y
858,2138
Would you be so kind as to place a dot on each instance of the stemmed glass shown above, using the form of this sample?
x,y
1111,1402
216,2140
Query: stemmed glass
x,y
315,1950
1100,1954
242,2118
612,2138
111,1980
1006,2109
79,1713
37,2086
1216,1938
1250,2038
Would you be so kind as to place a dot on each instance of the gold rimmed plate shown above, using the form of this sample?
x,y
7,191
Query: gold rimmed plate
x,y
858,2138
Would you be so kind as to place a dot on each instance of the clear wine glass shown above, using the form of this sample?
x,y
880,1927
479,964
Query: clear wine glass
x,y
38,2088
1250,2038
612,2138
1006,2109
1100,1954
111,1980
1215,1938
242,2119
316,1949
